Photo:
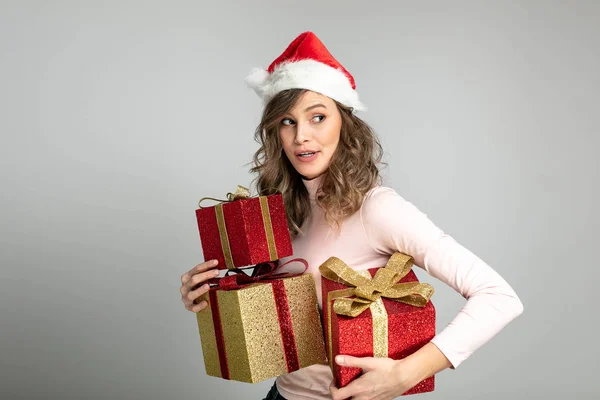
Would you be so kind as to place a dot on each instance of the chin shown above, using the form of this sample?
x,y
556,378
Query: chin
x,y
309,171
308,175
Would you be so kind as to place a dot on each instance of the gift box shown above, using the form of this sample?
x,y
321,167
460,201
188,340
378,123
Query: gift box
x,y
243,230
261,330
380,312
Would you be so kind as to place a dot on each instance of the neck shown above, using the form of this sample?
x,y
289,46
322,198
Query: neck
x,y
313,185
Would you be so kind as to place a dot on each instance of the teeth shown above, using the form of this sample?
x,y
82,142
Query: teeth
x,y
306,154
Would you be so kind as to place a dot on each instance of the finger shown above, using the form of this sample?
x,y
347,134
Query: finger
x,y
198,268
333,390
332,384
347,392
364,363
197,307
188,303
197,280
194,294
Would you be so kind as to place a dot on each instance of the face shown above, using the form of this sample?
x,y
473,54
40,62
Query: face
x,y
310,133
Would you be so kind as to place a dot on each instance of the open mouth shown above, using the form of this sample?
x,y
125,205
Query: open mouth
x,y
307,156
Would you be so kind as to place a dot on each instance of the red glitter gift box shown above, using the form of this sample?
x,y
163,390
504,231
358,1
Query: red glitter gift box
x,y
380,312
244,231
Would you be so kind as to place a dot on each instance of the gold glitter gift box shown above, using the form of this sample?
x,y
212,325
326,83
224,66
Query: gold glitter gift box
x,y
261,330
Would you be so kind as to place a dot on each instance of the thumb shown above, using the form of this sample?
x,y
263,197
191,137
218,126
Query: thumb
x,y
364,363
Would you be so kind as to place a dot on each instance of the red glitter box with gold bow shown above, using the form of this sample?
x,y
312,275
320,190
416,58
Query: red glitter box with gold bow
x,y
261,330
380,312
244,231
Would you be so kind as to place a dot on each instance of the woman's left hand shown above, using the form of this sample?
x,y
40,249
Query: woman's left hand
x,y
382,378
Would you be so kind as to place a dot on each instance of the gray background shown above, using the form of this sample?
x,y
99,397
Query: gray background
x,y
116,117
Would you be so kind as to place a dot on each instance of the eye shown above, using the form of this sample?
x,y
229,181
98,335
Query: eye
x,y
318,118
287,121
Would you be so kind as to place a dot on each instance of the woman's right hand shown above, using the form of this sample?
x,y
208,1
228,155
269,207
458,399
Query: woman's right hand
x,y
193,286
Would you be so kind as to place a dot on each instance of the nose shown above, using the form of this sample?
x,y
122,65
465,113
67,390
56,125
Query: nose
x,y
303,133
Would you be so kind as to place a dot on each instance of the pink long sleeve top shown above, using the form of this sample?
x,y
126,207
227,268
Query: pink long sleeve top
x,y
387,223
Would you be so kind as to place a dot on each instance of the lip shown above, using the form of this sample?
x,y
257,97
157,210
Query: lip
x,y
305,151
306,159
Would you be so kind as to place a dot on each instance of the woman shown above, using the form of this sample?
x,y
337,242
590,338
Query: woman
x,y
324,160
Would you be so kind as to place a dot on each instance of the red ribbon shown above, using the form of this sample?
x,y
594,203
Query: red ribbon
x,y
267,273
214,309
262,272
285,323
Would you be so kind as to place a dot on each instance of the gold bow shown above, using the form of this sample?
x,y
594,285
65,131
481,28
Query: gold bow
x,y
241,193
368,292
383,284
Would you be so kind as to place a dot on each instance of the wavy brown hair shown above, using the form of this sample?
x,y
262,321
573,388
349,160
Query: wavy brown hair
x,y
353,170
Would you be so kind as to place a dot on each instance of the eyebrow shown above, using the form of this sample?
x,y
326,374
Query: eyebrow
x,y
314,106
307,109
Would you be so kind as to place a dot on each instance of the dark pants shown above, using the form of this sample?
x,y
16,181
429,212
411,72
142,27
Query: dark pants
x,y
274,394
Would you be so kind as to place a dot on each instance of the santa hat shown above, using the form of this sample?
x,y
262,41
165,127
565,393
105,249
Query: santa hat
x,y
306,64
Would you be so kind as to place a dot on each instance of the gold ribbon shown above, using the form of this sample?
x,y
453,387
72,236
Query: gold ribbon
x,y
242,193
368,293
224,237
266,215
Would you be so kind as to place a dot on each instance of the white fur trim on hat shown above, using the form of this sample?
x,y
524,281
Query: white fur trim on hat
x,y
305,74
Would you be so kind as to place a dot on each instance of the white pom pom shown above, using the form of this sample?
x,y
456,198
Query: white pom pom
x,y
257,78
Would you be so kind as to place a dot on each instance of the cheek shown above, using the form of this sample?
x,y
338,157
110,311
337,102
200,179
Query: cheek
x,y
333,135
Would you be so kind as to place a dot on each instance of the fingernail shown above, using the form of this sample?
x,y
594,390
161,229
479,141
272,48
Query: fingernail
x,y
215,262
340,360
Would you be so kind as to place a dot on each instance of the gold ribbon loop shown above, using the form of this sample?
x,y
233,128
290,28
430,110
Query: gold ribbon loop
x,y
241,193
368,291
350,307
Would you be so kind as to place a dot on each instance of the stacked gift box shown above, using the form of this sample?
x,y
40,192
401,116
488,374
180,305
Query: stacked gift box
x,y
264,324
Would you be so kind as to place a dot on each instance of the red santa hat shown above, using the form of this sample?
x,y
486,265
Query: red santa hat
x,y
306,64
